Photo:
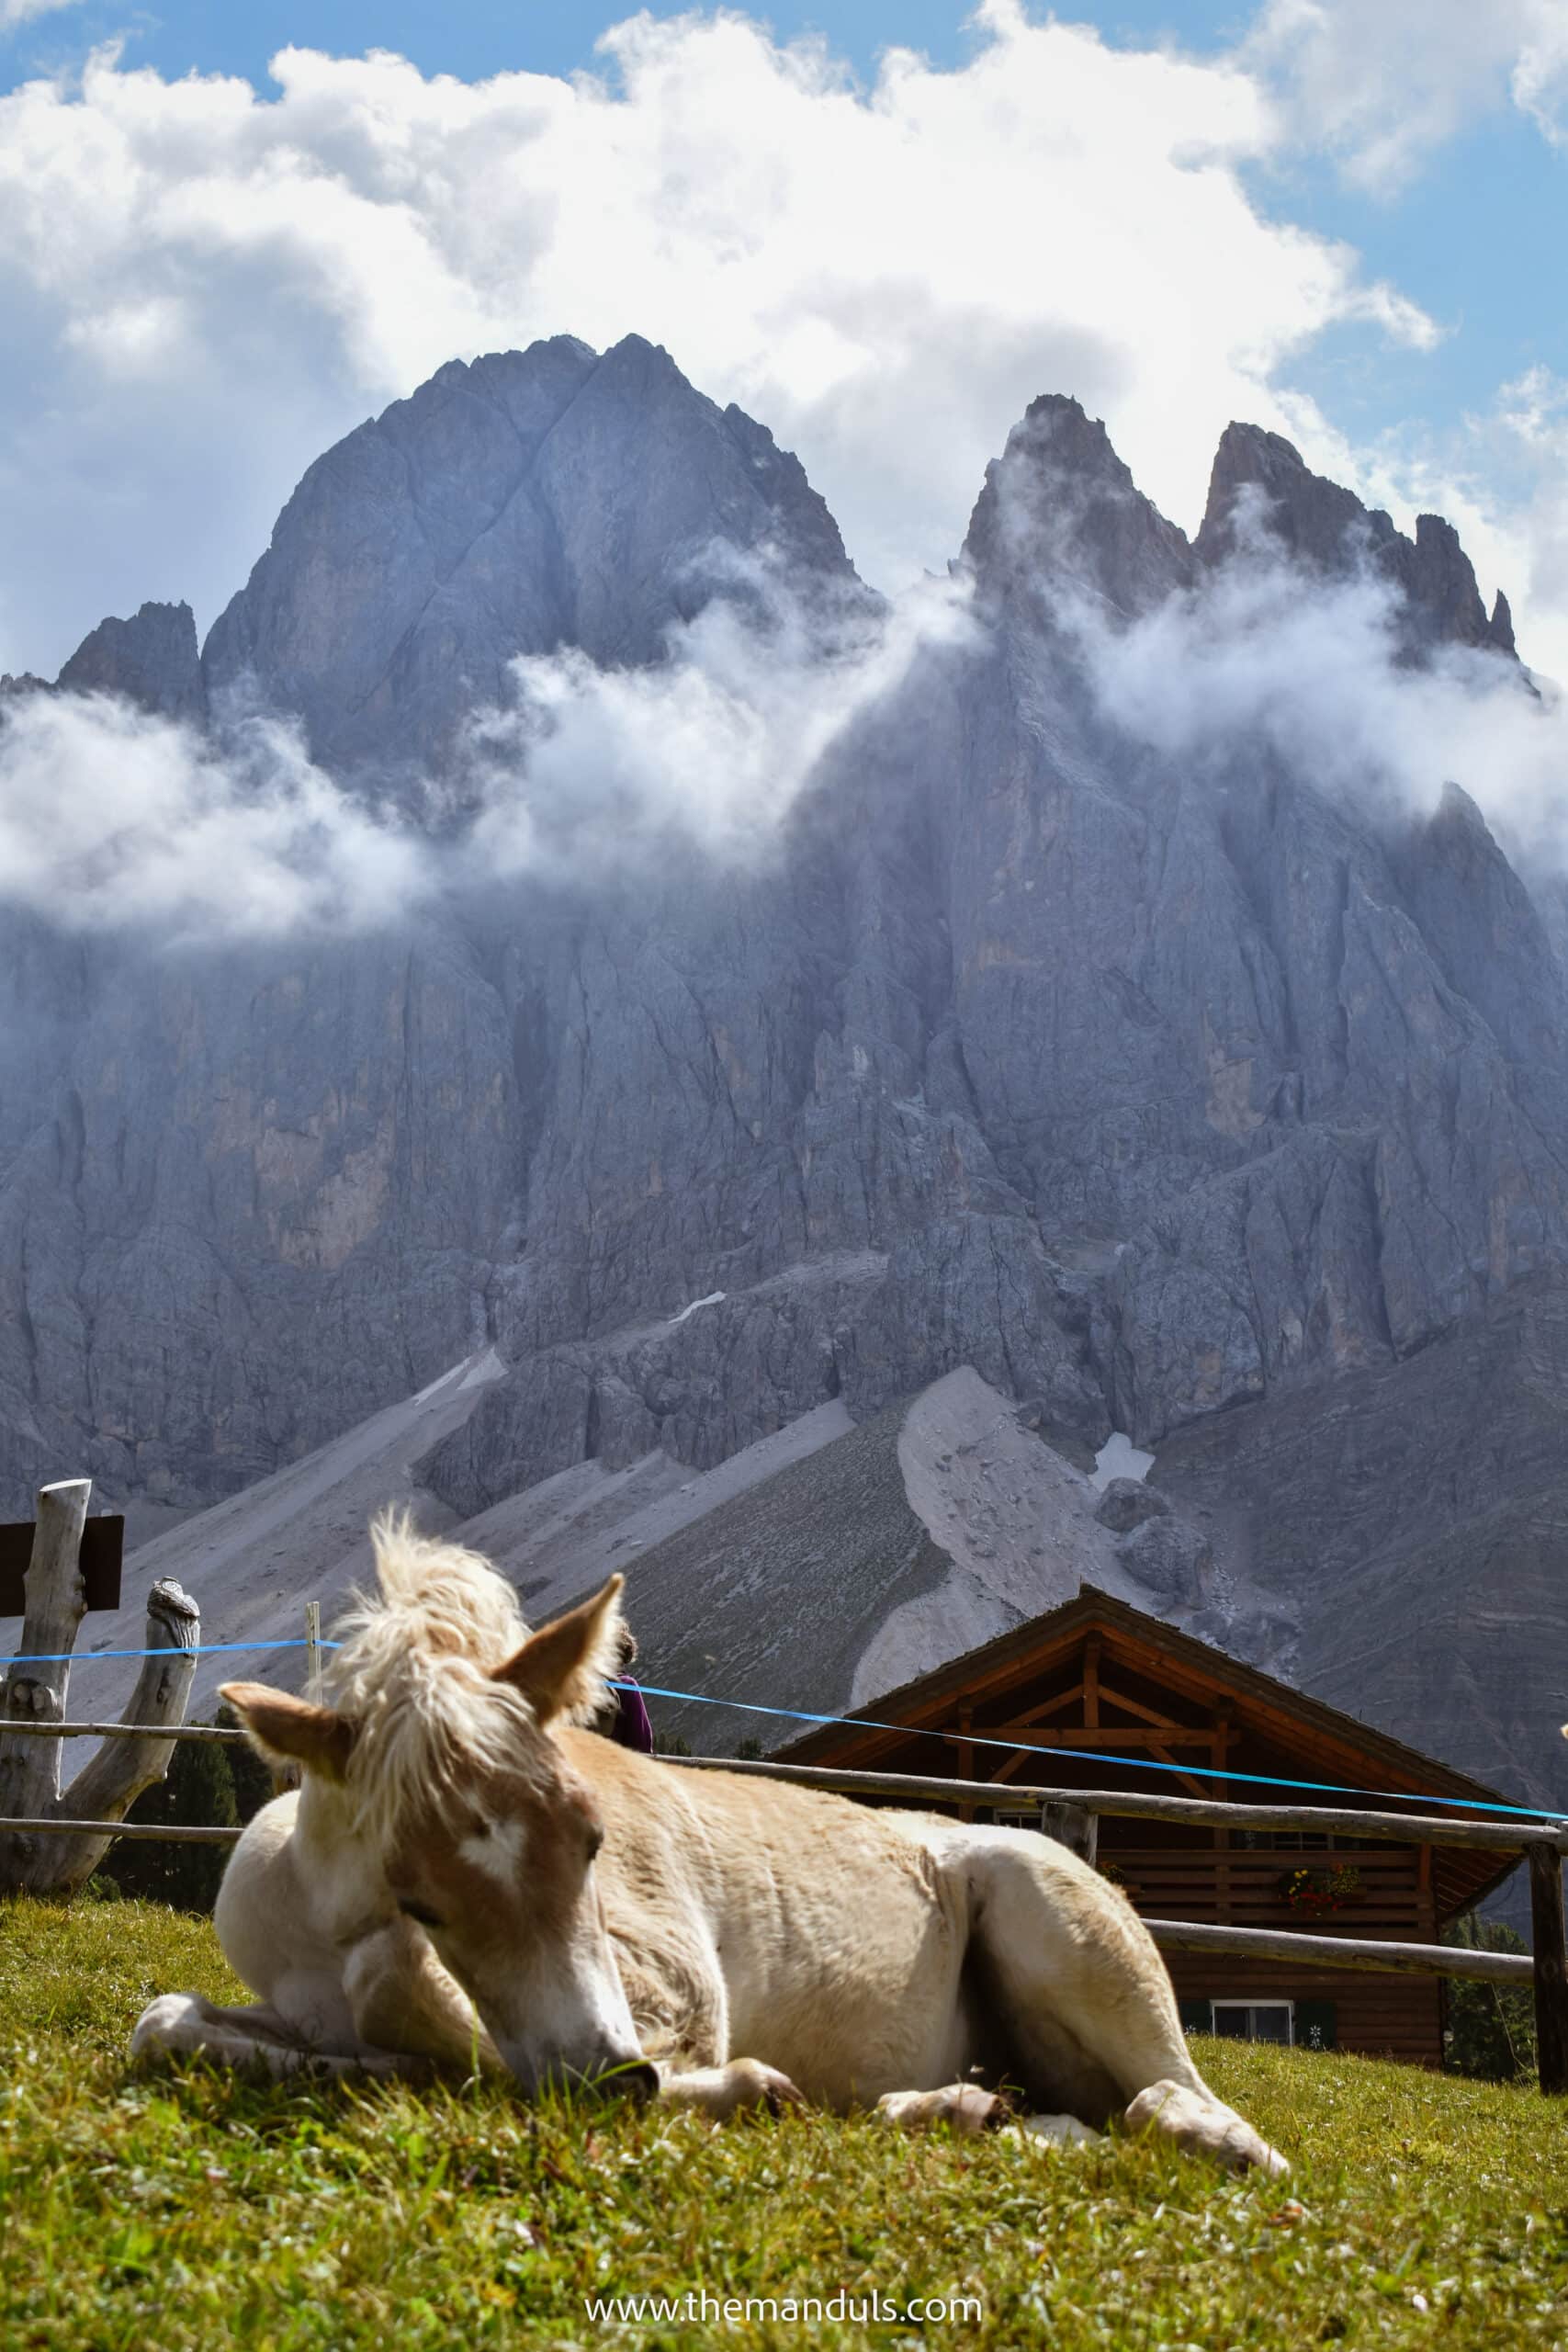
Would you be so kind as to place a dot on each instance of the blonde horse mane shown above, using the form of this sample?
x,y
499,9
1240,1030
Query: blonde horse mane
x,y
414,1673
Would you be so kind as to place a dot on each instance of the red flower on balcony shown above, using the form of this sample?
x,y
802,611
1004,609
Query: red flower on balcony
x,y
1320,1891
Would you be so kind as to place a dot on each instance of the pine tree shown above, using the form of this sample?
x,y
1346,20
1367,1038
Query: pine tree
x,y
1491,2028
199,1789
252,1778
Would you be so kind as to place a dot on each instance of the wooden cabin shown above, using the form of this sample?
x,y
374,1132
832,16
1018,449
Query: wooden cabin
x,y
1044,1704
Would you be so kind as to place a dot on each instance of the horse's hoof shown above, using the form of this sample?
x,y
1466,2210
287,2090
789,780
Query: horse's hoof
x,y
969,2109
764,2086
1206,2128
167,2025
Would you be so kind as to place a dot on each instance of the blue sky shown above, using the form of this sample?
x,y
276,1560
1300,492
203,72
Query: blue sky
x,y
1401,133
476,38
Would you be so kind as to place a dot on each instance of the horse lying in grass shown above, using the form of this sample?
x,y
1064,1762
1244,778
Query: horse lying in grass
x,y
465,1876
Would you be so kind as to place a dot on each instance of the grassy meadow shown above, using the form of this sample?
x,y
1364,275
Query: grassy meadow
x,y
190,2214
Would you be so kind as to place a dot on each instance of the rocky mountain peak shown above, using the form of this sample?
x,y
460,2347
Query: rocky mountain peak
x,y
151,659
1308,515
1059,500
1260,478
516,503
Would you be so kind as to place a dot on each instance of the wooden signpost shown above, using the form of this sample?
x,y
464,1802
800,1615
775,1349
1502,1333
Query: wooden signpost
x,y
73,1564
98,1560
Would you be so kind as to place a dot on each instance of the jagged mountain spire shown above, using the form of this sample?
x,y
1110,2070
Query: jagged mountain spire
x,y
1263,478
530,499
1059,502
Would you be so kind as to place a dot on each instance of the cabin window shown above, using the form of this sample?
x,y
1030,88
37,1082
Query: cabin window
x,y
1254,2020
1311,2024
1285,1841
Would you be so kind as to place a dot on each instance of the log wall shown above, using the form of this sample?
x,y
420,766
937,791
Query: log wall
x,y
1378,2017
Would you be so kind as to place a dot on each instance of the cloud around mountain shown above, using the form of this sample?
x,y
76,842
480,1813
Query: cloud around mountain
x,y
438,679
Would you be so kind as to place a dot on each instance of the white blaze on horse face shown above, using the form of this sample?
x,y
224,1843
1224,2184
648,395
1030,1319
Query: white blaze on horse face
x,y
497,1850
568,2022
507,1890
550,1994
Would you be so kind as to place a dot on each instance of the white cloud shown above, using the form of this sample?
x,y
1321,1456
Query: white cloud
x,y
203,288
22,12
1533,414
1260,657
718,744
1382,84
172,837
179,837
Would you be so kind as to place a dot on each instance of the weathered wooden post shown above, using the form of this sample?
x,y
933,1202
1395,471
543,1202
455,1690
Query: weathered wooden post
x,y
1550,1968
1074,1826
56,1601
35,1690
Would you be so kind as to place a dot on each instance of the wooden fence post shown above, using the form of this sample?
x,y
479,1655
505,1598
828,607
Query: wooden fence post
x,y
56,1603
109,1783
313,1652
1551,1967
1074,1826
105,1789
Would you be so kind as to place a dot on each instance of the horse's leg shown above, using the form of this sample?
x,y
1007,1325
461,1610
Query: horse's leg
x,y
400,1998
1084,1999
721,2091
185,2025
319,2016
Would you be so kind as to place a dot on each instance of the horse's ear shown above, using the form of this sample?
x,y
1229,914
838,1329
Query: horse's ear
x,y
563,1667
284,1729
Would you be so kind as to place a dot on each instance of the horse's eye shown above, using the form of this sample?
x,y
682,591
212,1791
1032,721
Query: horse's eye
x,y
595,1840
420,1911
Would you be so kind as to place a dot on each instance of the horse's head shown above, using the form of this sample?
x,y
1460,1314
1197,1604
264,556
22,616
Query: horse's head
x,y
482,1828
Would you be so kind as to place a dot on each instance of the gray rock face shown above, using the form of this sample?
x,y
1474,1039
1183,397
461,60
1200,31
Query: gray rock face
x,y
244,1199
151,659
1060,497
532,500
1171,1561
1127,1503
1176,1102
1405,1522
1261,474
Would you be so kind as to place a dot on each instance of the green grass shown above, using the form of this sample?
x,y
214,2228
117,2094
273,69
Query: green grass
x,y
187,2209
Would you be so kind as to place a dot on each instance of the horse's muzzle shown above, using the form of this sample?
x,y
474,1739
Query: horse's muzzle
x,y
639,2080
634,2077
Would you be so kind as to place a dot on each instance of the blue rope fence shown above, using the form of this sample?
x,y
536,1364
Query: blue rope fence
x,y
866,1723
